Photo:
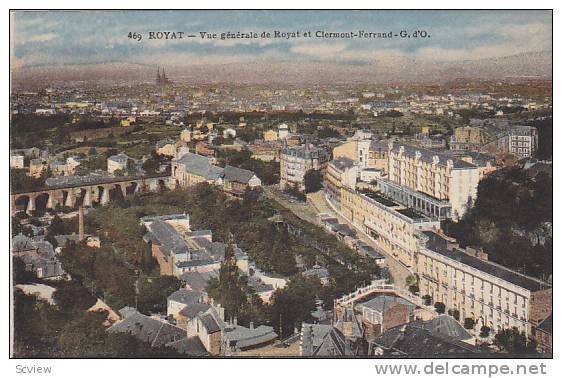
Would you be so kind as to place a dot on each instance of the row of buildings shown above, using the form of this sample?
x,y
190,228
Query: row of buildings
x,y
413,190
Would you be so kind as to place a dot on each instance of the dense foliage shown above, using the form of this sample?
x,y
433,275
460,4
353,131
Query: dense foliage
x,y
510,213
67,330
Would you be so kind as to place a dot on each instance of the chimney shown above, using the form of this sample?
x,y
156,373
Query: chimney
x,y
251,325
81,223
482,255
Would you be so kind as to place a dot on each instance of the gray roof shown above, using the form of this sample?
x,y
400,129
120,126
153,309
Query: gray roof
x,y
243,337
185,296
120,158
342,163
322,340
427,155
367,249
145,328
192,310
200,166
210,324
190,346
305,152
413,340
237,174
445,326
478,158
439,245
22,243
198,280
386,302
167,237
39,253
378,146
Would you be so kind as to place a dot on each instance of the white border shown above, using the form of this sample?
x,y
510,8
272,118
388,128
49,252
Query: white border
x,y
254,367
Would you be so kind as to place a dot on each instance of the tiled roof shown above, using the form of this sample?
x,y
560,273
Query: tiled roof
x,y
427,155
197,280
237,174
194,309
185,296
445,326
415,341
209,323
200,166
322,340
145,328
246,337
190,346
385,302
167,237
342,163
119,158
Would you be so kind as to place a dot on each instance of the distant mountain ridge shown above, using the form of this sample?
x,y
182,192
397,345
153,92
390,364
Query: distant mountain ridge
x,y
398,69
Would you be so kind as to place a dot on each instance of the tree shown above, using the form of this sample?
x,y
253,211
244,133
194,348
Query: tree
x,y
426,300
92,151
312,181
439,307
154,291
131,168
412,283
229,289
293,304
57,226
72,297
468,323
484,332
512,341
20,273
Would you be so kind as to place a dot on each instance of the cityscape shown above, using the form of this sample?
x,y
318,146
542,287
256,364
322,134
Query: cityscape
x,y
208,199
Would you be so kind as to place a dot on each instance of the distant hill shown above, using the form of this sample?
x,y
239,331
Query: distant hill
x,y
397,69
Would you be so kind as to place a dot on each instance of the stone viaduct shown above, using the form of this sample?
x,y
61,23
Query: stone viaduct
x,y
87,191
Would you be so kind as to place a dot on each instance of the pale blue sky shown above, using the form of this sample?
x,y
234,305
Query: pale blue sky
x,y
59,37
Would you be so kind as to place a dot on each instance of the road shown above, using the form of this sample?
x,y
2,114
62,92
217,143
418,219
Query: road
x,y
398,270
317,204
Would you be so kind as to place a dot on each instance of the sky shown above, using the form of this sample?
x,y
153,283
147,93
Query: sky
x,y
44,38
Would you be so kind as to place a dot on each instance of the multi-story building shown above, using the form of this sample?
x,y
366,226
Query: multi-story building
x,y
117,163
340,171
490,294
468,138
521,141
365,152
296,161
192,169
17,161
392,225
429,181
